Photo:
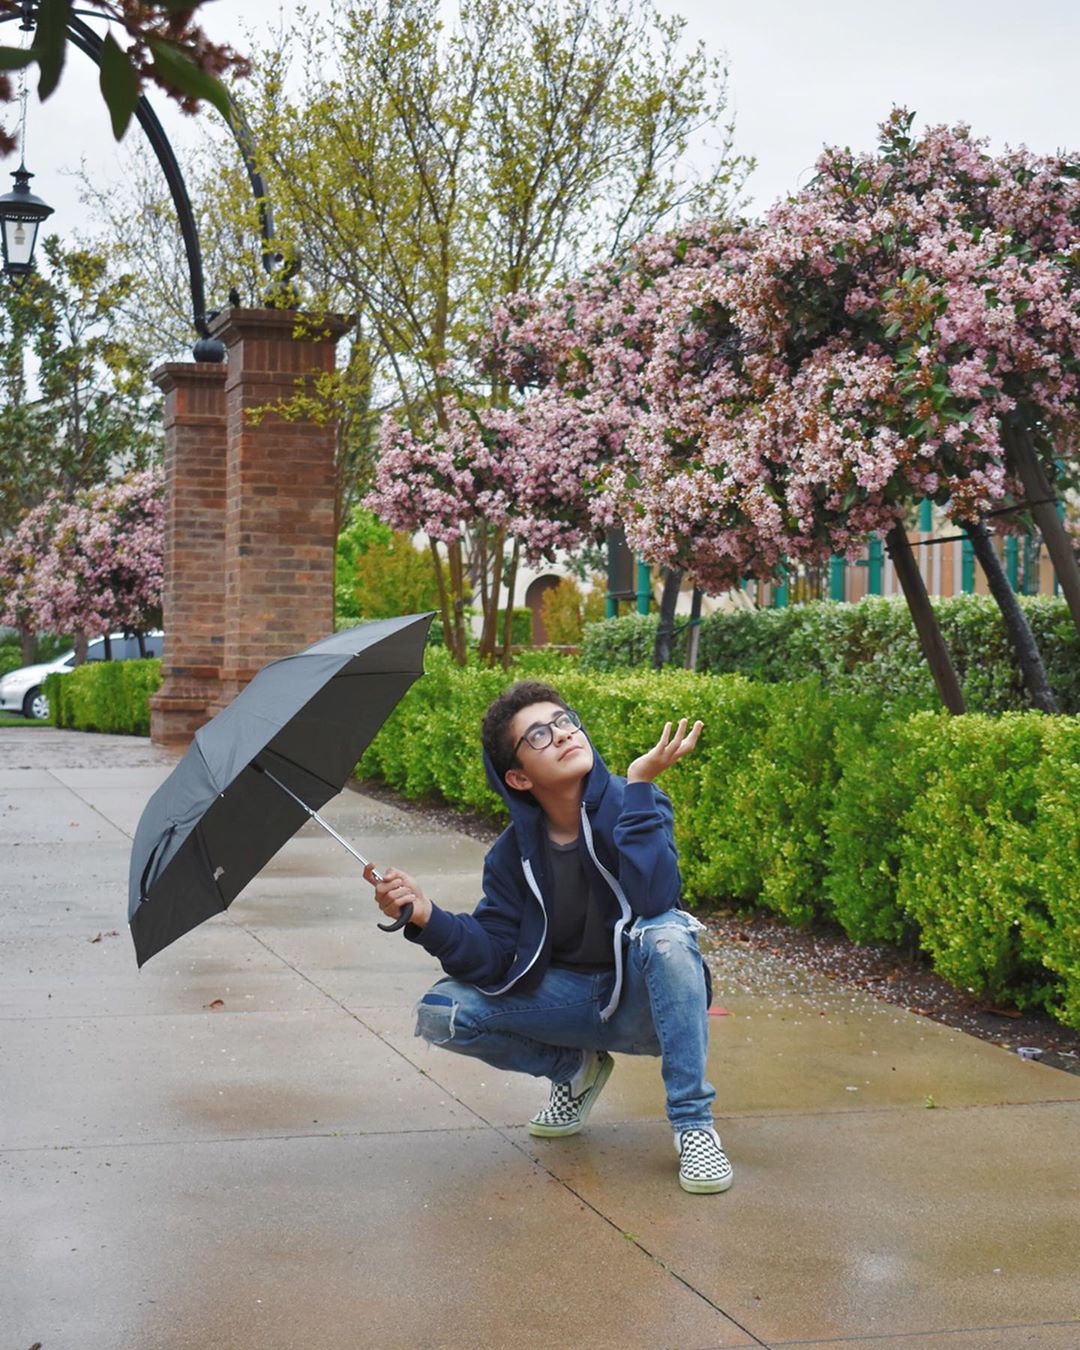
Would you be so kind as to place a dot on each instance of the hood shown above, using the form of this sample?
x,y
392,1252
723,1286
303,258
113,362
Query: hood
x,y
31,674
525,814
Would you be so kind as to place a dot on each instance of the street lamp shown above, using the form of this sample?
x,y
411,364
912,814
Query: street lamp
x,y
20,215
21,212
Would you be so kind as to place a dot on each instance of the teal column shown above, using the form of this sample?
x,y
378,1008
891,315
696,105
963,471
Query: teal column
x,y
875,564
644,587
780,590
1061,514
967,567
1057,584
1029,582
837,579
612,607
926,515
1012,560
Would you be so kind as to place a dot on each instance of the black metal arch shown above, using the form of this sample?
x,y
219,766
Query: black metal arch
x,y
207,348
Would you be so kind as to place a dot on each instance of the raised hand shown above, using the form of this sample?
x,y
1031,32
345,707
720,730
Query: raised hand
x,y
665,752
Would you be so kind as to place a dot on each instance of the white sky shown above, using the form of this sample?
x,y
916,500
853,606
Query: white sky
x,y
800,75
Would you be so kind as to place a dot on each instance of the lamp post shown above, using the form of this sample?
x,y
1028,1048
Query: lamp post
x,y
21,213
25,212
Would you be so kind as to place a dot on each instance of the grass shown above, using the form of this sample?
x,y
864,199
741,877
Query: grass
x,y
17,720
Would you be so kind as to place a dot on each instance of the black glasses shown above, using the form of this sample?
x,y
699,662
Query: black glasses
x,y
540,736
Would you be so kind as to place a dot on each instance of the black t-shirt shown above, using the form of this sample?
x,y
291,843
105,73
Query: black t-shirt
x,y
580,930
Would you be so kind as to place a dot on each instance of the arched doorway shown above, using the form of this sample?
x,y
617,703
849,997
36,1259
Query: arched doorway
x,y
533,598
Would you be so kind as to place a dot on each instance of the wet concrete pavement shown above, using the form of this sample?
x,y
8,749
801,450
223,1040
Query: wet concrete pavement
x,y
244,1146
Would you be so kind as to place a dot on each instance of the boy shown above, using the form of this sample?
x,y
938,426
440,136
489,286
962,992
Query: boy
x,y
579,946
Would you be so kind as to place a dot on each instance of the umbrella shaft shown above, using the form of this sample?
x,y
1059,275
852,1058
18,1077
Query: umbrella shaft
x,y
319,820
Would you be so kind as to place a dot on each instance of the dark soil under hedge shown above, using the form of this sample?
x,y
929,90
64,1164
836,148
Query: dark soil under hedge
x,y
883,971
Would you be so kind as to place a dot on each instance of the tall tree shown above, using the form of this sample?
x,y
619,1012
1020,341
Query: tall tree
x,y
73,392
423,170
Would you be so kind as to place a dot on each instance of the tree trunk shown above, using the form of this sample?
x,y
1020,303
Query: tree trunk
x,y
695,630
460,647
27,646
1024,460
508,622
1016,624
492,559
81,644
665,629
444,598
926,624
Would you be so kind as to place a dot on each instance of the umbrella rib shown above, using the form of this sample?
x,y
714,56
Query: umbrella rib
x,y
292,763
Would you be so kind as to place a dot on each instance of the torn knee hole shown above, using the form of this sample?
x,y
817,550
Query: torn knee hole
x,y
435,1017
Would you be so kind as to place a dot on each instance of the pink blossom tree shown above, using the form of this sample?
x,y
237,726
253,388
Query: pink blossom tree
x,y
904,327
90,564
580,351
513,477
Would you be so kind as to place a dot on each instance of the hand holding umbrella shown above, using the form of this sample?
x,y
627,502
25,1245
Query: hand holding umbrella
x,y
401,899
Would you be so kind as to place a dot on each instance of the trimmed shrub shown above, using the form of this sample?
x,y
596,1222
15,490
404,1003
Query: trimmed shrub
x,y
112,696
1054,928
885,763
870,646
969,874
628,641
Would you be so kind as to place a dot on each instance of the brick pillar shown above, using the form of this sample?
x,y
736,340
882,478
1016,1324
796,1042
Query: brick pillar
x,y
280,492
193,601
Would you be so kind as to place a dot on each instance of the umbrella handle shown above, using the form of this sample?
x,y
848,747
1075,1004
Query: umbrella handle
x,y
405,914
401,920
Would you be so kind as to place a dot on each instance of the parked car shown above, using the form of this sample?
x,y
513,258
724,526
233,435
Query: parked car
x,y
21,690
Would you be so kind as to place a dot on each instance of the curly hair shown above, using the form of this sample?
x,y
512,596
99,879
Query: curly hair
x,y
495,732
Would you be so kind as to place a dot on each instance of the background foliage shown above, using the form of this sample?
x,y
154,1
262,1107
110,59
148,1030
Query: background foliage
x,y
869,646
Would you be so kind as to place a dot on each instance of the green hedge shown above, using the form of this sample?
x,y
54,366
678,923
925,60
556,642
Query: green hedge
x,y
866,646
109,696
958,834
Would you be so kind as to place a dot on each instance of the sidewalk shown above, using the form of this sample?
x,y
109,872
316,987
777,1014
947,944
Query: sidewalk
x,y
244,1147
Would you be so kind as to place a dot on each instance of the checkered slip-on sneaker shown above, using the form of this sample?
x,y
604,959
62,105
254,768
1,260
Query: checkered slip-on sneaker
x,y
703,1165
565,1113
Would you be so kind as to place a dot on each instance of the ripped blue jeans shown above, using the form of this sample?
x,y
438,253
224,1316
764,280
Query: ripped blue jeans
x,y
662,1011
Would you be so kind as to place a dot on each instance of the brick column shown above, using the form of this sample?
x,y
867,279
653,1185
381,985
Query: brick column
x,y
193,601
280,492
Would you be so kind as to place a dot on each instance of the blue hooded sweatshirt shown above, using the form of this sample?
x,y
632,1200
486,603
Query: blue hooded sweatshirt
x,y
628,855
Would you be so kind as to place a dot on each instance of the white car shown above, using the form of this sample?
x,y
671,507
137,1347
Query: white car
x,y
21,690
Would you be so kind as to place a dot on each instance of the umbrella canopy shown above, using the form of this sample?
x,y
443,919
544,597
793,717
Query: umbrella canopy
x,y
218,818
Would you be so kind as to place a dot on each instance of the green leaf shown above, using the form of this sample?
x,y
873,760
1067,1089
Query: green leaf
x,y
119,85
15,58
50,43
183,75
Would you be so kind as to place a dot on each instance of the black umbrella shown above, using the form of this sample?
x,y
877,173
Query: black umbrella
x,y
259,769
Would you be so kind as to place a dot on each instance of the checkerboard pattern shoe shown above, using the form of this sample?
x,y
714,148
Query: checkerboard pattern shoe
x,y
703,1165
570,1103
